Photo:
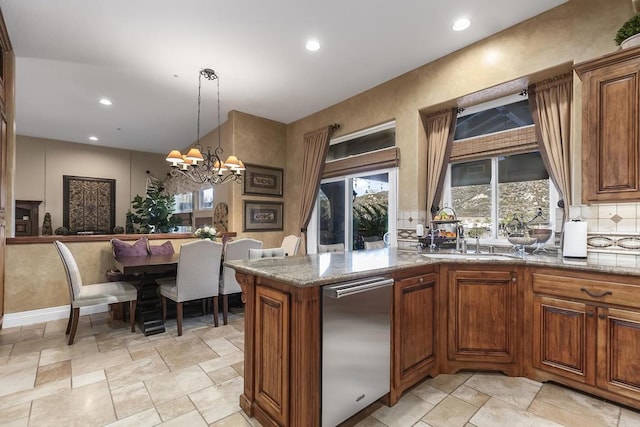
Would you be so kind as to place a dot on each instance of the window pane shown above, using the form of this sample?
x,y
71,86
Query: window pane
x,y
471,173
472,204
522,167
363,144
332,213
184,202
205,198
493,120
523,187
370,209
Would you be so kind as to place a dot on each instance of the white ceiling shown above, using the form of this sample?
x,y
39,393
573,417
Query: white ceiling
x,y
145,56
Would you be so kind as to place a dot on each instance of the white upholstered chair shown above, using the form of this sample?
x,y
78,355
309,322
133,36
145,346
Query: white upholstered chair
x,y
94,294
198,277
376,244
236,249
290,244
336,247
266,253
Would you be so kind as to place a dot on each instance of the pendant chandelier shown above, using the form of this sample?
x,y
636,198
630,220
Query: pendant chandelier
x,y
206,167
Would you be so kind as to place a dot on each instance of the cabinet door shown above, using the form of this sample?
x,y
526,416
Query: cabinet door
x,y
619,351
610,132
272,353
414,329
564,338
482,321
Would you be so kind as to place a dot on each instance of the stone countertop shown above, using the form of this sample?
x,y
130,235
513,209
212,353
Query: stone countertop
x,y
327,268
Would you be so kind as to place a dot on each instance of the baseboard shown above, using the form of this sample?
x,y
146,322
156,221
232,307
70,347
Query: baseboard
x,y
31,317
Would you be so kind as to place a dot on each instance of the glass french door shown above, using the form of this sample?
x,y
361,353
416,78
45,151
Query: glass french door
x,y
355,209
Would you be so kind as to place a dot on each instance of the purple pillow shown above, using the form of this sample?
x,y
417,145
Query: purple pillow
x,y
122,248
164,249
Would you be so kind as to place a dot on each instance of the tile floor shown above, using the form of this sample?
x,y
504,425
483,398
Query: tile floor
x,y
113,377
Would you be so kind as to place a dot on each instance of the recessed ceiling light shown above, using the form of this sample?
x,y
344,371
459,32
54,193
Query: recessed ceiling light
x,y
312,45
105,101
93,138
461,24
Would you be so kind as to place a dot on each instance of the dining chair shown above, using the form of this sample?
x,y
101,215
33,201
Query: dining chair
x,y
336,247
267,253
290,243
236,249
94,294
197,277
376,244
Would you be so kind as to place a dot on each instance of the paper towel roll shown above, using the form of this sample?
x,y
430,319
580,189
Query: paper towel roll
x,y
419,230
575,239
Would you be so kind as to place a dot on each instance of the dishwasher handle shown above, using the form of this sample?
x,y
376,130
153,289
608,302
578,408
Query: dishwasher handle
x,y
357,286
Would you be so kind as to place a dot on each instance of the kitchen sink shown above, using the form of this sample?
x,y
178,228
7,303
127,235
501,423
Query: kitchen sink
x,y
471,256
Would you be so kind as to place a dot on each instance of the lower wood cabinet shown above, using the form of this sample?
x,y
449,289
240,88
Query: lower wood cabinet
x,y
482,316
564,338
618,355
272,353
593,342
414,331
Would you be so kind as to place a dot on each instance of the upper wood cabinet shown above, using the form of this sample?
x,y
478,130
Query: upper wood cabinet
x,y
610,127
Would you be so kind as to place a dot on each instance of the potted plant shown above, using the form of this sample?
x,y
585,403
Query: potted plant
x,y
154,213
629,34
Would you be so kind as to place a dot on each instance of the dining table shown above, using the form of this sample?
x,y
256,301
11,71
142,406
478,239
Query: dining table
x,y
145,269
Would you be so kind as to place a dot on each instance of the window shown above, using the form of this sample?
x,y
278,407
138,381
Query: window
x,y
205,199
496,171
184,208
357,201
487,193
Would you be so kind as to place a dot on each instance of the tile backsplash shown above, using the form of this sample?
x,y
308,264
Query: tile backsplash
x,y
407,221
611,227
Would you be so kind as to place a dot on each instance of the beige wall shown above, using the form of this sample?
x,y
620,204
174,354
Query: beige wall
x,y
261,142
35,278
41,164
576,31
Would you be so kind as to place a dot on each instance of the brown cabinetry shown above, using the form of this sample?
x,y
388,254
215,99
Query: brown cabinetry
x,y
584,337
483,319
272,353
564,338
414,331
610,127
26,217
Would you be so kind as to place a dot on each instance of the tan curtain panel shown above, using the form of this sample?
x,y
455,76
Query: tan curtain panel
x,y
550,103
379,159
316,146
439,128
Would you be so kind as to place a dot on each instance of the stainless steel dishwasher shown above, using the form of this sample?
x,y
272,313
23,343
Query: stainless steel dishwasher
x,y
356,346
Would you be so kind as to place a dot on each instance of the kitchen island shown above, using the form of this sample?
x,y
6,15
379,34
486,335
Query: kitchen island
x,y
534,316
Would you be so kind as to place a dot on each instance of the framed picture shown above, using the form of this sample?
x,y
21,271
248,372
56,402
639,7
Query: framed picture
x,y
89,204
262,180
262,216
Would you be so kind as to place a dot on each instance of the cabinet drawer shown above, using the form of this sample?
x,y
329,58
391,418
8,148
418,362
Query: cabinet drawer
x,y
587,289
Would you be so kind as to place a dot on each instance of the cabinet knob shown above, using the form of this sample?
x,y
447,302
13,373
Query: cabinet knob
x,y
589,314
513,279
421,279
602,316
